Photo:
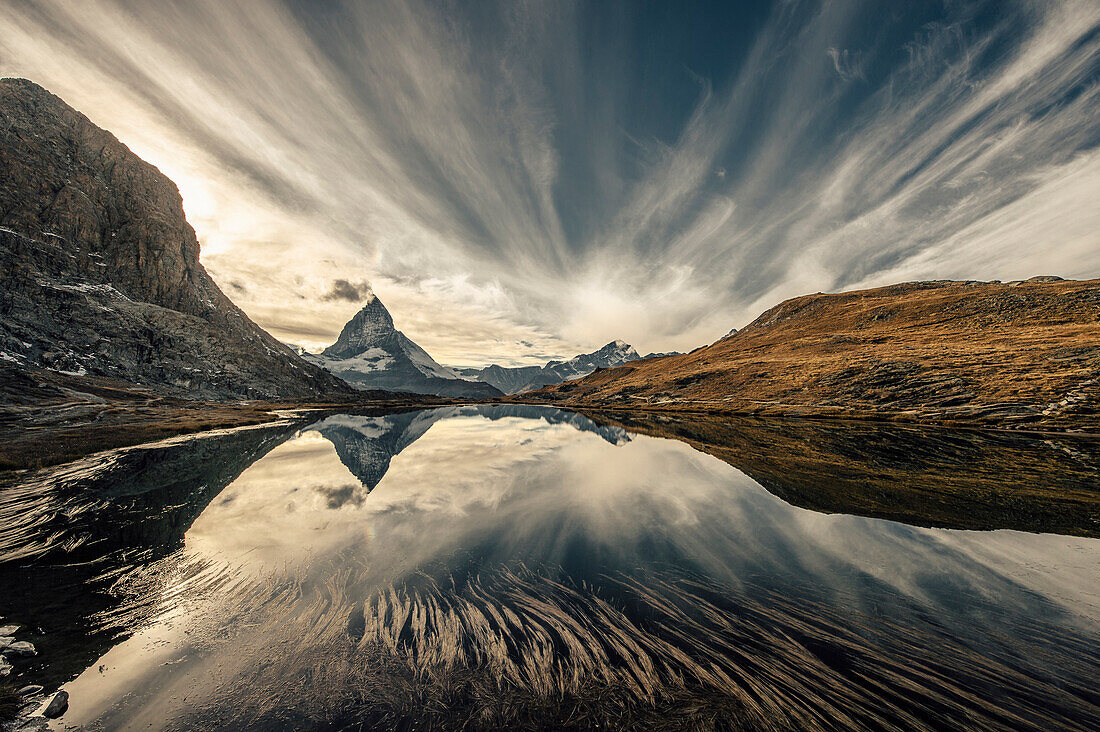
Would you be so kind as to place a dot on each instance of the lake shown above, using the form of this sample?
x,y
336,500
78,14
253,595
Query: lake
x,y
519,566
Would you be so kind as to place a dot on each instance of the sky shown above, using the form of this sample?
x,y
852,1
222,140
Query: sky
x,y
523,180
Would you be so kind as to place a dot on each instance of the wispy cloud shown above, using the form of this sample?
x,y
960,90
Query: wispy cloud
x,y
526,180
848,64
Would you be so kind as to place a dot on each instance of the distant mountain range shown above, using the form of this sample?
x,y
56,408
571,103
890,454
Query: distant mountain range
x,y
372,354
102,279
520,379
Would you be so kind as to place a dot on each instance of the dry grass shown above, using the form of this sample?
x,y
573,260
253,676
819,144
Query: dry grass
x,y
10,701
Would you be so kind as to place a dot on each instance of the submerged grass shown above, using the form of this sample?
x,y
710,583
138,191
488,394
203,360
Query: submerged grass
x,y
670,651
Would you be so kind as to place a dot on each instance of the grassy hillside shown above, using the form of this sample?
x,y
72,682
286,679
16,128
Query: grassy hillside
x,y
1023,354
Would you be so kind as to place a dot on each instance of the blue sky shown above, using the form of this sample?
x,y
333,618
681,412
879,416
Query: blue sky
x,y
525,180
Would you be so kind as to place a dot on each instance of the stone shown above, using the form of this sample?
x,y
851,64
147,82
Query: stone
x,y
8,630
57,705
30,690
19,649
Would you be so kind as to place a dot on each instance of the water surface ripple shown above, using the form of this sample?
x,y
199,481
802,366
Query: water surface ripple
x,y
496,566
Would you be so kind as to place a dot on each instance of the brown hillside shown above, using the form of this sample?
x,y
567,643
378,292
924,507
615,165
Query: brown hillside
x,y
1024,354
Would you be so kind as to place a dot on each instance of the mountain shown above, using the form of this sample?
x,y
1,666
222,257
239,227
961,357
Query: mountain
x,y
528,378
100,270
372,354
1007,354
508,380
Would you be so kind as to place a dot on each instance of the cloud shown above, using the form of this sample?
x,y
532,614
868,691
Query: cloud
x,y
848,64
519,180
350,291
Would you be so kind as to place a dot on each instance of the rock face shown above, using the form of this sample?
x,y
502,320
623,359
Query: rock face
x,y
372,354
101,274
528,378
57,705
1007,354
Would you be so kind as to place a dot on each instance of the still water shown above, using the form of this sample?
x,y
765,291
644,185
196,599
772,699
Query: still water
x,y
506,566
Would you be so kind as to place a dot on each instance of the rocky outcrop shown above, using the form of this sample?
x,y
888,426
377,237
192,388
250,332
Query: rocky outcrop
x,y
372,354
101,272
1020,354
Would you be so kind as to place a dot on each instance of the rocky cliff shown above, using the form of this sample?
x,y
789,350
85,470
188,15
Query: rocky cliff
x,y
1020,354
101,274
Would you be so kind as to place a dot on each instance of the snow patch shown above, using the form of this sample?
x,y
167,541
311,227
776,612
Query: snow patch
x,y
370,360
371,428
424,363
85,288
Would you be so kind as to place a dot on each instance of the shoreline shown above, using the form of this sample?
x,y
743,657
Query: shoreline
x,y
30,439
830,413
41,436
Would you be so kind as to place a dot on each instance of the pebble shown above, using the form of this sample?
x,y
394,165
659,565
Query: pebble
x,y
5,667
8,629
30,690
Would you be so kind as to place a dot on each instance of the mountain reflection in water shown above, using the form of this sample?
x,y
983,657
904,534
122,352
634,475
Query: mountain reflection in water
x,y
509,565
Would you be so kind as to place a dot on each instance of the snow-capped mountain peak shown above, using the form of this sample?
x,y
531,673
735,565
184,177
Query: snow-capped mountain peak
x,y
372,354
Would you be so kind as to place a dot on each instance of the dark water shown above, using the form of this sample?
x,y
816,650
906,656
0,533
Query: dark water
x,y
512,566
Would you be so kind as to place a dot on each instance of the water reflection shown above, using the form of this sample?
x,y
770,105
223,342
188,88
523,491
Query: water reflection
x,y
496,566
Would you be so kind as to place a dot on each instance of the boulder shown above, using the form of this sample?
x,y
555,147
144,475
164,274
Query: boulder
x,y
18,649
57,705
